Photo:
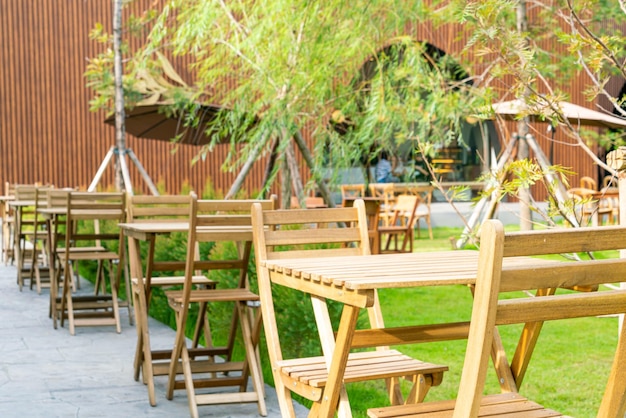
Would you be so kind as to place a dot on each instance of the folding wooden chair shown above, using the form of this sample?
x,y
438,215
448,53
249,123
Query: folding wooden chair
x,y
385,193
157,210
291,234
403,217
102,308
215,221
28,235
490,310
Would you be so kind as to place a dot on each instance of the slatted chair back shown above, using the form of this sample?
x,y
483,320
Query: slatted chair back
x,y
352,190
165,208
490,309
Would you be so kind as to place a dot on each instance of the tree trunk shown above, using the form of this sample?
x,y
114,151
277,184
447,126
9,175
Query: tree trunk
x,y
285,185
243,173
522,127
308,158
269,168
294,172
120,130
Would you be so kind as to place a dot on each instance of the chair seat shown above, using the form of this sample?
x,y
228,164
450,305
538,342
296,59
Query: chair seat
x,y
176,280
89,255
500,404
175,297
362,366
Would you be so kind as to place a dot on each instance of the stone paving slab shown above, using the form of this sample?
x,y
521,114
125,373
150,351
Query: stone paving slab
x,y
49,373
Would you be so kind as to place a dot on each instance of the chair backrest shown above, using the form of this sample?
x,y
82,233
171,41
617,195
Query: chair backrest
x,y
57,198
34,194
588,183
94,207
489,311
25,192
150,208
383,191
404,210
352,190
295,229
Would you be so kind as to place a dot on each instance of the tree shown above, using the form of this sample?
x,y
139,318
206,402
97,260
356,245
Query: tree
x,y
292,63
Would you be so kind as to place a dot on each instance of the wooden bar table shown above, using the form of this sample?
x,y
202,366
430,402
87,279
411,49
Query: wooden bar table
x,y
156,362
353,280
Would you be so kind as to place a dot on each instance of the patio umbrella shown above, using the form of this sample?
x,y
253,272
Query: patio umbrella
x,y
152,121
574,113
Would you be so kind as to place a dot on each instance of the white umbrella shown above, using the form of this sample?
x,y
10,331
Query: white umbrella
x,y
577,115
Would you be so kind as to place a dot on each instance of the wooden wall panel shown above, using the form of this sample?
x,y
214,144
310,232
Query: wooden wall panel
x,y
47,132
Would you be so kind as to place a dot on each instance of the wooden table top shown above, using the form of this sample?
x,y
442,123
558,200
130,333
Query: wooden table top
x,y
383,271
369,272
21,203
81,213
141,230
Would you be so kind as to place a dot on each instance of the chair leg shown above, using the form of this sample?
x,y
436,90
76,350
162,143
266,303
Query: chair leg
x,y
115,302
251,357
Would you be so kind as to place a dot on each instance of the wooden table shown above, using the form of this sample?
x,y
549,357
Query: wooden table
x,y
353,281
156,362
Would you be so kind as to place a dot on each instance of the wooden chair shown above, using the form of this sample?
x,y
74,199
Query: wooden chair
x,y
489,311
28,247
385,193
401,225
98,309
425,194
352,190
288,234
214,221
157,209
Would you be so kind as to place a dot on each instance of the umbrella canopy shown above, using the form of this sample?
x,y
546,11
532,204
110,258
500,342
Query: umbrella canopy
x,y
151,121
574,113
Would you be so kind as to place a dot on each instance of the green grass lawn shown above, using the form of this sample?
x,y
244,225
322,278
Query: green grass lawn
x,y
568,371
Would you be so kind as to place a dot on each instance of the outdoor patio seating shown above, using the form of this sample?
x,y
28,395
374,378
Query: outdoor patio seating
x,y
292,235
400,227
166,215
102,308
218,221
29,235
